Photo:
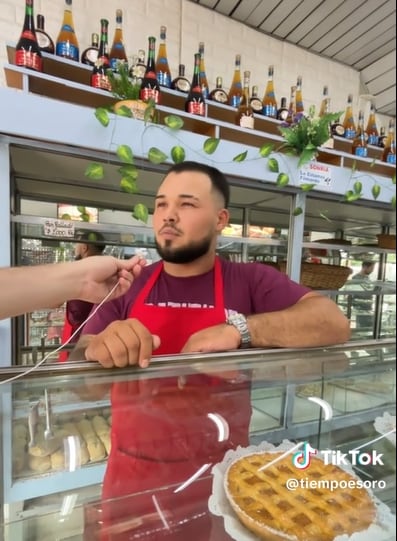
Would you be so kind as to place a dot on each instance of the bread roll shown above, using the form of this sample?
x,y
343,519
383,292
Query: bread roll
x,y
39,464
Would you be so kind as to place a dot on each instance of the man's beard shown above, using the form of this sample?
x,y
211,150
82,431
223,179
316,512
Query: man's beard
x,y
184,254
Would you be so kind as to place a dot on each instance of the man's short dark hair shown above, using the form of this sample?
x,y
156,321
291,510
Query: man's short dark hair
x,y
368,263
94,239
218,179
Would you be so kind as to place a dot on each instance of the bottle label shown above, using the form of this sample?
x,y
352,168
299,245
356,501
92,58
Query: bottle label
x,y
350,134
256,105
164,78
182,84
372,139
196,108
220,96
67,50
361,151
235,101
147,94
270,110
391,158
28,35
99,80
247,121
114,62
67,28
28,59
43,40
205,91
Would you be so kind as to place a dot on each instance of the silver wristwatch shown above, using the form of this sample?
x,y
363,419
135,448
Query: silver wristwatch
x,y
240,322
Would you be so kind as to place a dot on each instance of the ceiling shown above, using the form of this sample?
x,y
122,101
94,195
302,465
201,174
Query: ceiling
x,y
357,33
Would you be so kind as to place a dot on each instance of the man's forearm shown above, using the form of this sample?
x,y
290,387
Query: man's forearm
x,y
313,321
78,352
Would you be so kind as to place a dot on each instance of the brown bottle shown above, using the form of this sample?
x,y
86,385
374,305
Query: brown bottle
x,y
218,93
269,99
181,83
255,101
90,55
236,88
372,130
298,97
117,51
150,88
282,111
359,146
99,76
203,76
195,101
67,44
382,137
27,50
348,120
245,113
43,39
292,106
389,152
163,72
325,103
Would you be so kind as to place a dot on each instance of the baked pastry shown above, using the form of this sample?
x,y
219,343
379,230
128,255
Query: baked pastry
x,y
263,503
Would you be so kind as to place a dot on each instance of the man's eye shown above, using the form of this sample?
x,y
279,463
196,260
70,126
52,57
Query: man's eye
x,y
162,204
187,204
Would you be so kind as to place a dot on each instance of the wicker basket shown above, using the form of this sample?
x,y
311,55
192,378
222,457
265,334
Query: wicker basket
x,y
321,275
387,241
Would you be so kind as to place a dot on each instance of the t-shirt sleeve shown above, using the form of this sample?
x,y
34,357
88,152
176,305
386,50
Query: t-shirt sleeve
x,y
108,312
273,290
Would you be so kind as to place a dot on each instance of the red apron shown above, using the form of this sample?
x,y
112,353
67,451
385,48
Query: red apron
x,y
162,435
66,334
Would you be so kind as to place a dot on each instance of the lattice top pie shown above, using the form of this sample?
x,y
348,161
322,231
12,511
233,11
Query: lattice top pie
x,y
267,508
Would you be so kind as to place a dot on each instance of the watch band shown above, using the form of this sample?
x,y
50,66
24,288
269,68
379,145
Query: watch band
x,y
239,321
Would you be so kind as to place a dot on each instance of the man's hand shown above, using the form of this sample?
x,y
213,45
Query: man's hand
x,y
98,274
122,343
221,337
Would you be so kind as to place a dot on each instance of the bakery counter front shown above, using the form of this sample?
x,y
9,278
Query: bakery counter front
x,y
247,445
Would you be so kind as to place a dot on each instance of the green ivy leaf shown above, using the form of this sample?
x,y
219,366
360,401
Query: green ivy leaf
x,y
82,210
178,154
128,185
282,179
124,111
266,150
307,187
240,157
124,152
351,196
272,164
85,217
298,211
393,179
173,122
94,171
393,201
210,145
92,237
357,187
156,156
140,212
375,191
354,166
102,116
307,154
129,171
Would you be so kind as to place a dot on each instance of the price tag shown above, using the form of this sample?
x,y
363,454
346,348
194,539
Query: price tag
x,y
59,228
316,173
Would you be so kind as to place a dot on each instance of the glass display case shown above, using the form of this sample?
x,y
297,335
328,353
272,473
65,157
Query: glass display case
x,y
89,453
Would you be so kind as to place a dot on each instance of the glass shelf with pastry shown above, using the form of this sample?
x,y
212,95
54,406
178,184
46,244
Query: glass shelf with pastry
x,y
104,454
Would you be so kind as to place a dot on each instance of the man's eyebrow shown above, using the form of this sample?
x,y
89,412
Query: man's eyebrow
x,y
181,195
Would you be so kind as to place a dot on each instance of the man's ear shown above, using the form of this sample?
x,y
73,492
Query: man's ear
x,y
85,249
223,219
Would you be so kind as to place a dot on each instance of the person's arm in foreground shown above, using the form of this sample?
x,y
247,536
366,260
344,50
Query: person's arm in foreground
x,y
28,288
313,321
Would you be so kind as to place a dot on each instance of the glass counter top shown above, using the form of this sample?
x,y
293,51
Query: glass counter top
x,y
111,455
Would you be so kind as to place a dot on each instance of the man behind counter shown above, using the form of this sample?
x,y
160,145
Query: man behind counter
x,y
193,300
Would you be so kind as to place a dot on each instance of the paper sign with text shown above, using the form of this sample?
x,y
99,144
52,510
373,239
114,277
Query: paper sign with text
x,y
316,173
59,228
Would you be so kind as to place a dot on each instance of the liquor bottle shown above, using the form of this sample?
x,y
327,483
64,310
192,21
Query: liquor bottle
x,y
181,83
138,68
236,89
218,93
282,111
245,113
325,103
298,97
389,151
150,88
348,120
269,99
163,72
372,130
292,106
337,128
195,102
117,51
99,77
255,101
66,43
90,55
43,39
359,146
382,137
203,77
27,50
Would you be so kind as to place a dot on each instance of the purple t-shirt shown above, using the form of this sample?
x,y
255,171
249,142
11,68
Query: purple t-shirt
x,y
249,288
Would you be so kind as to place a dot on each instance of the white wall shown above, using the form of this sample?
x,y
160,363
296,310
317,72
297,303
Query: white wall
x,y
187,24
